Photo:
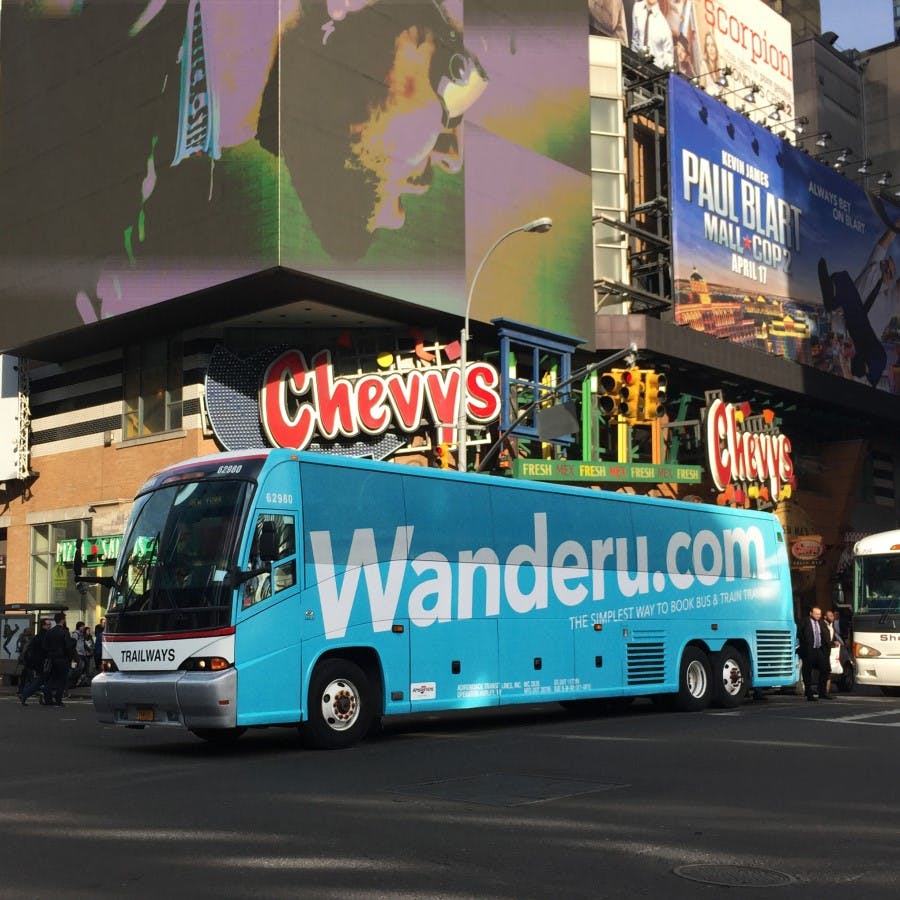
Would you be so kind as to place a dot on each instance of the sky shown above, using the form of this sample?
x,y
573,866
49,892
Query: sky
x,y
859,24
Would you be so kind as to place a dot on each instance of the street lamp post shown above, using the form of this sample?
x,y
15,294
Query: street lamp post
x,y
537,226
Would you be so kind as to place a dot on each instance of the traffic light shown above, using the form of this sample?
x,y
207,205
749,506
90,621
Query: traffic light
x,y
655,397
611,385
631,394
442,456
621,395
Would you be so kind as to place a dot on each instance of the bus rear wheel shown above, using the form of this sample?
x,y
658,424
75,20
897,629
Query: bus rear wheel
x,y
341,707
731,677
694,681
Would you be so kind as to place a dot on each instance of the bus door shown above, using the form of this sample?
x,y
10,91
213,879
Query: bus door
x,y
267,641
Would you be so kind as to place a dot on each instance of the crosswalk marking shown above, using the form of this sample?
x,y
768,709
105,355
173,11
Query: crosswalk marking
x,y
864,719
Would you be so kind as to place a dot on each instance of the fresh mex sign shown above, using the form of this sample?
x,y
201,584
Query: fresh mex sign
x,y
747,450
299,400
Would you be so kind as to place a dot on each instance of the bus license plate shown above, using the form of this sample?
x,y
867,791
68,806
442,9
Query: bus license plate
x,y
144,715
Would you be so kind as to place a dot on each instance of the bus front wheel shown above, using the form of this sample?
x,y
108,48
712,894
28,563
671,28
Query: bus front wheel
x,y
694,681
731,677
341,708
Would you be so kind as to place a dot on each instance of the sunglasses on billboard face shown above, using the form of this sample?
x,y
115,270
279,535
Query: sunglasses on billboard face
x,y
457,77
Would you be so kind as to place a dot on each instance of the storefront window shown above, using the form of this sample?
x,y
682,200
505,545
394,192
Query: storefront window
x,y
153,380
51,583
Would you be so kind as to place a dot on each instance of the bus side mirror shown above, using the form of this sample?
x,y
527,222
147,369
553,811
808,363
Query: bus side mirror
x,y
268,542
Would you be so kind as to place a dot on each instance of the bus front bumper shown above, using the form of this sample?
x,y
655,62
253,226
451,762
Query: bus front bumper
x,y
190,700
879,671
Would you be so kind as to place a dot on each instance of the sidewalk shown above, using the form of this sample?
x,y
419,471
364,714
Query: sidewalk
x,y
7,689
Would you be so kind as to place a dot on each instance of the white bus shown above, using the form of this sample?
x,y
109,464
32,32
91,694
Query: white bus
x,y
876,610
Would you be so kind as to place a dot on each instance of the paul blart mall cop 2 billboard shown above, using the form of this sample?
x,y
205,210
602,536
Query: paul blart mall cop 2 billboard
x,y
777,251
151,148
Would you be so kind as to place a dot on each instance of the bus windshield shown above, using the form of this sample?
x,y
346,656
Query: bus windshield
x,y
878,581
175,556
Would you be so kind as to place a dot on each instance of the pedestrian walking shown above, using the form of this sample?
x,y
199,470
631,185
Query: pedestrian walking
x,y
24,656
59,646
99,628
36,654
836,645
84,650
815,653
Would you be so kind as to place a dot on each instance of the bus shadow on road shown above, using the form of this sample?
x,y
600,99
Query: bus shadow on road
x,y
458,723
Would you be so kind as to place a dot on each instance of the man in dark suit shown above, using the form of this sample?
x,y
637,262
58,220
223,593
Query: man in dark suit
x,y
58,646
815,649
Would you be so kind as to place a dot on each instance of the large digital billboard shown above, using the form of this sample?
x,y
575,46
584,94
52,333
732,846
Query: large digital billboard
x,y
700,38
152,149
777,251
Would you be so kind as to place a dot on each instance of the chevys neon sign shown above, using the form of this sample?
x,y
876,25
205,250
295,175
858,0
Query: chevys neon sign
x,y
748,451
297,401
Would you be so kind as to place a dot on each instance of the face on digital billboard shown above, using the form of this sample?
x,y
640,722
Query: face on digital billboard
x,y
150,149
700,38
416,134
777,251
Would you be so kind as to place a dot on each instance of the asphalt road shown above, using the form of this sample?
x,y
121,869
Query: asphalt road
x,y
779,798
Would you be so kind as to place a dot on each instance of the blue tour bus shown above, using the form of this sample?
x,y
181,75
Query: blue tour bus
x,y
280,587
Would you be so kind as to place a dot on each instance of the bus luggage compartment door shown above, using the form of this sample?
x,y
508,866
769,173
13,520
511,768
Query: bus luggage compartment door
x,y
536,659
454,665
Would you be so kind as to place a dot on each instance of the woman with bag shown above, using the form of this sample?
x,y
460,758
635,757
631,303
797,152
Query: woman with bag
x,y
842,673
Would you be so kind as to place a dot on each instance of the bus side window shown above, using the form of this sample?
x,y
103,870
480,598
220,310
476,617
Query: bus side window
x,y
284,573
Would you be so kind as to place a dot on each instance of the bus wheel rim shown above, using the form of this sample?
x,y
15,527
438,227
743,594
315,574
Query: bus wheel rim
x,y
732,677
340,704
695,679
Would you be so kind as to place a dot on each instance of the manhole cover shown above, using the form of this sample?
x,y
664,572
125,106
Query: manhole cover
x,y
505,790
735,876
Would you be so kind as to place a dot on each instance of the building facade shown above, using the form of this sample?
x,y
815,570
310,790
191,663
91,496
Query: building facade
x,y
261,224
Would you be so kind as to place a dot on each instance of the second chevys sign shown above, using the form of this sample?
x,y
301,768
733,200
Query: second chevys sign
x,y
747,449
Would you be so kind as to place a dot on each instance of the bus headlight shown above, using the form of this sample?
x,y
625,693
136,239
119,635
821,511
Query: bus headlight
x,y
205,664
107,665
864,651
